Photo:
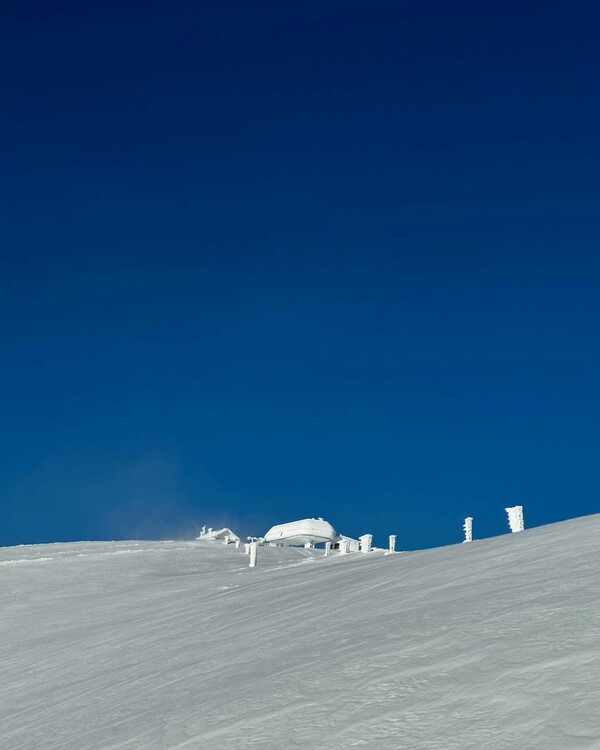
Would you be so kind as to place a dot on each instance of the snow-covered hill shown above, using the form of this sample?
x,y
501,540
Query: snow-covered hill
x,y
137,645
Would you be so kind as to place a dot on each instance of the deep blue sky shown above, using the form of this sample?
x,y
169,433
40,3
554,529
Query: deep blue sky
x,y
265,260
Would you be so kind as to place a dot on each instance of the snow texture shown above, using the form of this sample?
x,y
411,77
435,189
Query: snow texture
x,y
179,645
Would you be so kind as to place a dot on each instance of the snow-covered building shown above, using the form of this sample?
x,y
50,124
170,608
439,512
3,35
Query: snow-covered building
x,y
225,535
307,532
346,543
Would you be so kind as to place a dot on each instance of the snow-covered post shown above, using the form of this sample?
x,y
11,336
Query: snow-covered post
x,y
327,548
392,543
343,545
253,554
247,548
468,529
226,539
366,540
203,531
515,518
237,543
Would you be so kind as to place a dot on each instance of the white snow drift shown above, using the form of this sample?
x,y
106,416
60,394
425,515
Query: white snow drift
x,y
179,645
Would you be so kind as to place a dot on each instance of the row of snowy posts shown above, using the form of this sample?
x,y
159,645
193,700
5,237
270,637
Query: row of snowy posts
x,y
366,545
515,522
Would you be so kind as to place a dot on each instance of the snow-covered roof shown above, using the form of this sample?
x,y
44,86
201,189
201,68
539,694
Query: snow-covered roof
x,y
307,530
219,534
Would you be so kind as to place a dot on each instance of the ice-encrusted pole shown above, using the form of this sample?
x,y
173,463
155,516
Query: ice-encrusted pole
x,y
203,531
366,540
343,546
327,548
468,529
253,554
392,543
515,518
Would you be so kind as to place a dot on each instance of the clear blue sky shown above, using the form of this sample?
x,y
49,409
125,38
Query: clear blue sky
x,y
268,260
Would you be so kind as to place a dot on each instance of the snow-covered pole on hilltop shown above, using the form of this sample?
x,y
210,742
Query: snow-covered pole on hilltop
x,y
343,546
253,554
392,543
366,540
468,529
515,518
327,548
203,531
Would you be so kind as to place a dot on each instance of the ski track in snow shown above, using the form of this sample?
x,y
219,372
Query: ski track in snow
x,y
179,645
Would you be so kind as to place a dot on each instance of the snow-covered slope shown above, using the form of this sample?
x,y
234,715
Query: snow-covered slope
x,y
137,645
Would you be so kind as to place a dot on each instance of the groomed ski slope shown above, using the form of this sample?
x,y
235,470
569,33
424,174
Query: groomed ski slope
x,y
494,644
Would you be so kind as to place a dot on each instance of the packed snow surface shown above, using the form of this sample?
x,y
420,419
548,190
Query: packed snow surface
x,y
137,645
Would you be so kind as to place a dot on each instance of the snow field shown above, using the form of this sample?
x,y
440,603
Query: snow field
x,y
164,645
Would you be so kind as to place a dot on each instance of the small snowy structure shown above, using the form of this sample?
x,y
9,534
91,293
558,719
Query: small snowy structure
x,y
468,529
306,532
366,542
392,547
345,544
515,518
225,535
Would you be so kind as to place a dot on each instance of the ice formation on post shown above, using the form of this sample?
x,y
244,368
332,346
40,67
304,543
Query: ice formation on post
x,y
225,535
366,541
392,543
515,518
468,529
253,554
